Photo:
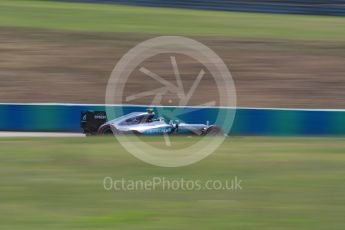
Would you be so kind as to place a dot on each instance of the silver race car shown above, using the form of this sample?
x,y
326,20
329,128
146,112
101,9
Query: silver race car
x,y
141,123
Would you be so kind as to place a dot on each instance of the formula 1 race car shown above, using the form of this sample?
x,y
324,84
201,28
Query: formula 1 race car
x,y
95,123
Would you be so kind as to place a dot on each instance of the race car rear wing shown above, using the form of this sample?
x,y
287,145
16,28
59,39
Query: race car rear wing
x,y
90,121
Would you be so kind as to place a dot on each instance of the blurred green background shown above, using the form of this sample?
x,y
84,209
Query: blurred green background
x,y
121,18
287,183
277,60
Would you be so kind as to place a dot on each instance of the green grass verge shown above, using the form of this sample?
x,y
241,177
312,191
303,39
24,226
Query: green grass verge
x,y
287,183
119,18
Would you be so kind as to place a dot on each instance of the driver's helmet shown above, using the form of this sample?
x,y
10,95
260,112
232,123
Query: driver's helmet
x,y
150,117
150,110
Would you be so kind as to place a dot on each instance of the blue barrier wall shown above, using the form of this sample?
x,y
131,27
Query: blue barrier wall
x,y
324,7
248,121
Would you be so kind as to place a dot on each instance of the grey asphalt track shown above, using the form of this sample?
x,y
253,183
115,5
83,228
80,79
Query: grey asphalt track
x,y
39,134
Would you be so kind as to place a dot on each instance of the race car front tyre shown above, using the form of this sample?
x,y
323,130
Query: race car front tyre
x,y
214,130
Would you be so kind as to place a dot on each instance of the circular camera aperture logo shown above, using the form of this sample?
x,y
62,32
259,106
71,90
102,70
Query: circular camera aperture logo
x,y
211,62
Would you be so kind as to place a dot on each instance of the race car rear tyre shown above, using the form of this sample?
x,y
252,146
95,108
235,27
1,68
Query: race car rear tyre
x,y
105,130
214,130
